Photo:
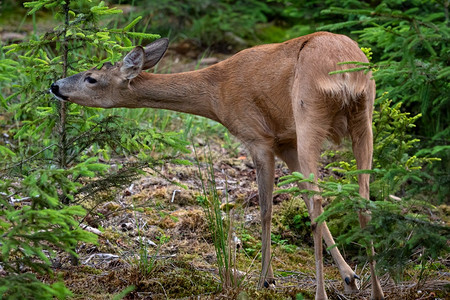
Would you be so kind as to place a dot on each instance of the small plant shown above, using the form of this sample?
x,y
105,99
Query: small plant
x,y
283,243
147,262
250,245
32,231
221,228
295,219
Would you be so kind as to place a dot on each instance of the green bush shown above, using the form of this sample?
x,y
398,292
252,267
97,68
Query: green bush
x,y
56,153
409,40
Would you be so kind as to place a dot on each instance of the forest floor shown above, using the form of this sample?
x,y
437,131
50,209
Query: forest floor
x,y
155,237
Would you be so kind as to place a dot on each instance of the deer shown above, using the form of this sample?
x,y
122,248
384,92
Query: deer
x,y
278,99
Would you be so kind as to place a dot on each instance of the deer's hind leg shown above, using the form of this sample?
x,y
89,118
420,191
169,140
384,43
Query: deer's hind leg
x,y
312,123
290,157
360,129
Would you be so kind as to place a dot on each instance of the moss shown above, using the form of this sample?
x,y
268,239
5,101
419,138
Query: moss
x,y
291,221
168,221
182,197
90,270
266,294
174,279
111,234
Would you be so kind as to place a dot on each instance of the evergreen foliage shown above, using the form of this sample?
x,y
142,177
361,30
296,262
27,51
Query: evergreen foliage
x,y
409,41
221,25
56,153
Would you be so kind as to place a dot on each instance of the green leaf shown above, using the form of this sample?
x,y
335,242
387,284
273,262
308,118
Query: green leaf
x,y
4,151
148,36
348,70
132,24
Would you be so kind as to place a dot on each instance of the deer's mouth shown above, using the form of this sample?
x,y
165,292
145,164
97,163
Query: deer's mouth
x,y
54,89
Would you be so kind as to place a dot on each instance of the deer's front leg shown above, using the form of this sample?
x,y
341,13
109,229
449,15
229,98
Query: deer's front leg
x,y
264,162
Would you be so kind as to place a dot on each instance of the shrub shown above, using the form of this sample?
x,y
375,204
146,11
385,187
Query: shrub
x,y
56,153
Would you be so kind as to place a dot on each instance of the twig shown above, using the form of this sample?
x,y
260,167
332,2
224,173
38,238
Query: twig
x,y
30,158
90,229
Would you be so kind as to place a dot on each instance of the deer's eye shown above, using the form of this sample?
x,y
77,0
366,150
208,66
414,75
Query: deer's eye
x,y
90,80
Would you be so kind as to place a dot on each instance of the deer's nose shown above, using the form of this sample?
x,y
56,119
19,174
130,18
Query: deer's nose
x,y
54,88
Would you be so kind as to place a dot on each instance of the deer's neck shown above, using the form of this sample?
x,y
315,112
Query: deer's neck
x,y
194,92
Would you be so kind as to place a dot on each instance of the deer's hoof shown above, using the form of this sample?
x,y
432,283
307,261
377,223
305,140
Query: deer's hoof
x,y
269,284
350,284
349,281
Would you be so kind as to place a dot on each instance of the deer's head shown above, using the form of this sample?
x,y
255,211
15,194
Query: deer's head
x,y
109,85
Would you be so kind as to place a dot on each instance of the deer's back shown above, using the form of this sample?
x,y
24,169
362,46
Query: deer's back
x,y
256,84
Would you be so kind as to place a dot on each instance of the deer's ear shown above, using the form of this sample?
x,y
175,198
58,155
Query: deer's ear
x,y
133,63
154,52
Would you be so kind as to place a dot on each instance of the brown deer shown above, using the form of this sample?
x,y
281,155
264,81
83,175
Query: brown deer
x,y
278,99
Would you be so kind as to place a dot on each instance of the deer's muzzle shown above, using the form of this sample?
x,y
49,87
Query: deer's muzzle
x,y
54,88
